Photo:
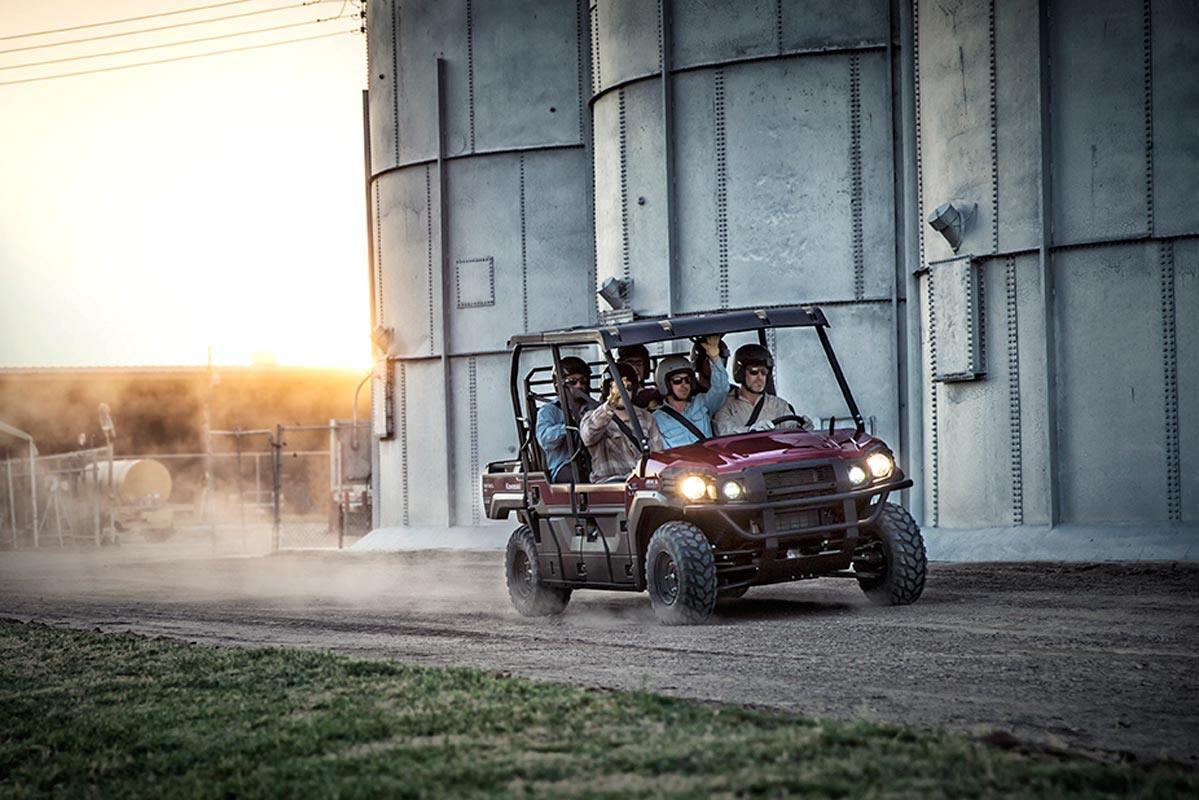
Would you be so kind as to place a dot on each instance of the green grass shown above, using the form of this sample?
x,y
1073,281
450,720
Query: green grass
x,y
85,714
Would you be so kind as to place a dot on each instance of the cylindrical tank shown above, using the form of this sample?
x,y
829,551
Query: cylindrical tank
x,y
482,224
760,173
1061,337
138,481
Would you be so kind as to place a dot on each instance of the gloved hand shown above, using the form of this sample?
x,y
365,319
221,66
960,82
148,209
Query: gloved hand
x,y
762,425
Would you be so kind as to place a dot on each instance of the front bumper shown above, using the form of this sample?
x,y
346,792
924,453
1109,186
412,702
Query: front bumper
x,y
759,521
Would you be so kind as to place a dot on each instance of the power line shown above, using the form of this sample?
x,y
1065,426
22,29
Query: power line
x,y
159,28
169,44
180,58
127,19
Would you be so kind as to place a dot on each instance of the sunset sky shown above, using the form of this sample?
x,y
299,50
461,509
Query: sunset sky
x,y
148,214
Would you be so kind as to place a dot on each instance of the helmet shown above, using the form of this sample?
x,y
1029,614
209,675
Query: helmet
x,y
635,351
750,354
669,366
626,371
573,365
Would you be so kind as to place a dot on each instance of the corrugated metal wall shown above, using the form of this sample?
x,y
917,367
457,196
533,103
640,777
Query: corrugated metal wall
x,y
793,155
1067,122
487,235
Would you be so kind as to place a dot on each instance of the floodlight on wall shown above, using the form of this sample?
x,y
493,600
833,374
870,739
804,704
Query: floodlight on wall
x,y
950,220
615,293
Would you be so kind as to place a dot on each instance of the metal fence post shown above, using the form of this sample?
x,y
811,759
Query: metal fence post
x,y
241,494
96,525
33,488
12,500
277,483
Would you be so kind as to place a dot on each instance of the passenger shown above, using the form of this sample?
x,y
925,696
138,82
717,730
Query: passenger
x,y
607,433
703,364
637,357
551,422
686,415
749,407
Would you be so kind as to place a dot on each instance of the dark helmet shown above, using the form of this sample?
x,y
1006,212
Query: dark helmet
x,y
750,354
635,351
573,365
626,370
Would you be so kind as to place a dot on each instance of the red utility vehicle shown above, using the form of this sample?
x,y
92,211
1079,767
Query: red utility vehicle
x,y
709,519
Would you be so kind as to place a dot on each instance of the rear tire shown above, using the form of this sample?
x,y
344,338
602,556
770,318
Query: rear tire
x,y
680,573
894,551
529,596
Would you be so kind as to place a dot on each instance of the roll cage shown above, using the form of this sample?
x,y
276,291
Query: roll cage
x,y
648,331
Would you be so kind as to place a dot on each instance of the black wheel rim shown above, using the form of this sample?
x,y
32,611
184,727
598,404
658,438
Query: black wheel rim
x,y
666,578
522,573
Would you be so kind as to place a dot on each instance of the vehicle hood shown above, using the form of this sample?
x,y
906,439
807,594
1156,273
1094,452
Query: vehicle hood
x,y
733,453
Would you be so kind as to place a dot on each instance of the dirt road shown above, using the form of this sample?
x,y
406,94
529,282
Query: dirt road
x,y
1100,657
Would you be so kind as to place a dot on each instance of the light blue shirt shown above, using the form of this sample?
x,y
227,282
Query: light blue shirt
x,y
698,412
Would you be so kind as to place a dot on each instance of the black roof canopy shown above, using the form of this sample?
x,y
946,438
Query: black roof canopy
x,y
660,329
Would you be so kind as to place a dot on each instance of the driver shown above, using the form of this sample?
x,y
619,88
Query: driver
x,y
749,407
609,436
686,414
551,421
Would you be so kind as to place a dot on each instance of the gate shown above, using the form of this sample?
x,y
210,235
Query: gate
x,y
320,495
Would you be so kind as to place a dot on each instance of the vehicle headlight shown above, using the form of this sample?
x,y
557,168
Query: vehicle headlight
x,y
857,475
880,465
693,487
733,491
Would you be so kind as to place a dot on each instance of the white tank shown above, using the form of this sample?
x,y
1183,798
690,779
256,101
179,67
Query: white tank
x,y
139,481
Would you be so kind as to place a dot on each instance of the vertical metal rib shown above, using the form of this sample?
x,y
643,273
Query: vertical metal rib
x,y
1170,376
855,168
722,189
1015,433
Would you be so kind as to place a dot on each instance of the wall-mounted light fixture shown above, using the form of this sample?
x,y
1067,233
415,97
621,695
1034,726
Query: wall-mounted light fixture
x,y
615,293
951,219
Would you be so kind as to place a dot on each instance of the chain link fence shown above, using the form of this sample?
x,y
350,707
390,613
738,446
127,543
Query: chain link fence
x,y
286,488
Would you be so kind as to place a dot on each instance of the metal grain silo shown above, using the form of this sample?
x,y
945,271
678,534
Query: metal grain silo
x,y
1062,336
759,172
481,224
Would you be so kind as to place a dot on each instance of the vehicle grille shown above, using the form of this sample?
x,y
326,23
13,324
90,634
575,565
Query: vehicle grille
x,y
799,521
798,482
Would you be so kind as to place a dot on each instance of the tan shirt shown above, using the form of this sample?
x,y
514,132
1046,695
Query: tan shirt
x,y
612,452
734,414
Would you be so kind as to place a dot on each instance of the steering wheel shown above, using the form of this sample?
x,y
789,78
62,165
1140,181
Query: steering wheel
x,y
797,418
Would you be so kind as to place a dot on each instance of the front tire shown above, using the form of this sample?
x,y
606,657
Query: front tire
x,y
523,571
680,572
893,553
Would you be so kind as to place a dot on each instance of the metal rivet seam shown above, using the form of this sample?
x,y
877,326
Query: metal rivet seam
x,y
934,489
596,79
581,57
994,137
934,509
855,162
1147,46
661,54
971,327
470,68
981,282
778,27
429,248
524,255
402,392
722,192
1015,432
624,185
378,260
1170,374
395,76
472,390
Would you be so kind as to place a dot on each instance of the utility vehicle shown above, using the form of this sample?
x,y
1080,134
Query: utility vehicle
x,y
708,520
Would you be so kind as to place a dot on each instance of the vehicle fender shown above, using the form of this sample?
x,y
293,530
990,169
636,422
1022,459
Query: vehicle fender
x,y
645,508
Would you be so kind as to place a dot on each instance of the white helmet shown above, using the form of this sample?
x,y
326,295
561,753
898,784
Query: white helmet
x,y
672,365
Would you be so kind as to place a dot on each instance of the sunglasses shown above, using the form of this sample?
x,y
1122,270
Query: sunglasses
x,y
576,380
763,371
681,380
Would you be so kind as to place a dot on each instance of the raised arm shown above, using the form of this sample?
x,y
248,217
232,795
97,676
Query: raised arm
x,y
594,423
718,392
